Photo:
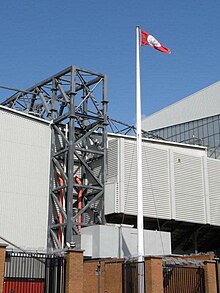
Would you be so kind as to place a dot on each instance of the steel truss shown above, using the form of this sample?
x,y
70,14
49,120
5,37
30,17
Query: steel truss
x,y
119,127
75,102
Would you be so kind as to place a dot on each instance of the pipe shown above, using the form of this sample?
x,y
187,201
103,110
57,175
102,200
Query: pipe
x,y
78,181
60,217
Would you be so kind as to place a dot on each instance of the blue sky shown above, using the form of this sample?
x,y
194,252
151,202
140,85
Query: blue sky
x,y
40,38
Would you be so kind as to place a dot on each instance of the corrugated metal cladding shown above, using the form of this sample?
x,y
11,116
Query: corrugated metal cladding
x,y
189,188
176,184
24,179
203,103
156,199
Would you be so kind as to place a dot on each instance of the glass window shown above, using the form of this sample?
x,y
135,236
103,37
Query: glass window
x,y
210,129
195,123
165,133
182,128
211,141
216,139
214,118
205,130
196,132
200,132
182,136
205,141
216,127
187,135
177,129
210,119
200,122
169,132
178,138
190,125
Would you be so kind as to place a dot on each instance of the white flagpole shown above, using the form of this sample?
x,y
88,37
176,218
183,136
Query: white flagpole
x,y
140,221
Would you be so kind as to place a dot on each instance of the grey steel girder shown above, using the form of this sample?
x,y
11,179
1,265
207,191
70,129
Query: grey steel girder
x,y
75,102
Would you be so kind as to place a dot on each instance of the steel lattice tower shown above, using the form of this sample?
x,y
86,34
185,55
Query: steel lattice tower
x,y
75,102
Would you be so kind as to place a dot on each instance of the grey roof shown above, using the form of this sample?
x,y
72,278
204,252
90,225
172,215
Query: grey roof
x,y
204,103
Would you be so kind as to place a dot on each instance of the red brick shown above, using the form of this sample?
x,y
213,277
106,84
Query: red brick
x,y
2,265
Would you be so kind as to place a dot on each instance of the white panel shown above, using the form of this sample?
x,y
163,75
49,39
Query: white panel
x,y
112,158
156,184
214,190
156,188
24,180
130,178
189,188
157,243
87,243
110,198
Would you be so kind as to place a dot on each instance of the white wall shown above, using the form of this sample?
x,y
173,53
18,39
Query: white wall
x,y
24,179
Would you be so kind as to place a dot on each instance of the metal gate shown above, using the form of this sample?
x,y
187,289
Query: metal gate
x,y
183,279
33,273
130,272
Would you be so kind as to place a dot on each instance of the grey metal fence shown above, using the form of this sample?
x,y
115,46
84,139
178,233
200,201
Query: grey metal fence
x,y
33,273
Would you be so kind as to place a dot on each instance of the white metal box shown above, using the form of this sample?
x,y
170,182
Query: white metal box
x,y
120,241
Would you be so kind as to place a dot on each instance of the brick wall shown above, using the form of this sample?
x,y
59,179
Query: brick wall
x,y
74,271
2,265
108,280
153,274
210,277
113,277
94,276
82,276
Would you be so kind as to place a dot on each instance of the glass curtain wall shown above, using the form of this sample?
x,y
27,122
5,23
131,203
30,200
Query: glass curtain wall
x,y
204,132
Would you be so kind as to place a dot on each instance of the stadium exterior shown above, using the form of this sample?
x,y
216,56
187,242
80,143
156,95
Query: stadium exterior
x,y
65,181
193,120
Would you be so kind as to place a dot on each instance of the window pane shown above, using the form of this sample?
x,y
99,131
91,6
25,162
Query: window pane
x,y
216,127
210,129
200,132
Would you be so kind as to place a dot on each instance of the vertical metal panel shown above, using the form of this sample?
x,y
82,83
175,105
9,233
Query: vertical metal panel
x,y
112,188
112,159
156,188
214,190
189,188
156,185
130,178
24,180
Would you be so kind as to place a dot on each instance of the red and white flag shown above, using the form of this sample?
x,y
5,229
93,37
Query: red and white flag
x,y
149,40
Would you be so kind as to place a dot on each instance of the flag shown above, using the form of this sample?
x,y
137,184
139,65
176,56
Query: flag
x,y
149,40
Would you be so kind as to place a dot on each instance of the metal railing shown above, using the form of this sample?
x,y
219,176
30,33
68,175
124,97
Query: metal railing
x,y
183,279
33,273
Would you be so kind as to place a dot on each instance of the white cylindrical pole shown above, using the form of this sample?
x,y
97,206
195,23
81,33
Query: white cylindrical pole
x,y
140,221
